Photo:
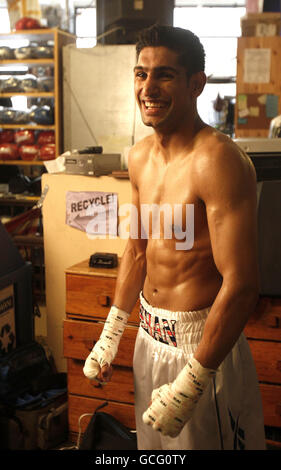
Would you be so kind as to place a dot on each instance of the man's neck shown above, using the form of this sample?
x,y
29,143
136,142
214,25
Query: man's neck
x,y
172,144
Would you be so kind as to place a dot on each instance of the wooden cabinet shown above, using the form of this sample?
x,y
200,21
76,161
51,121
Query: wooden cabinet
x,y
89,295
263,332
53,65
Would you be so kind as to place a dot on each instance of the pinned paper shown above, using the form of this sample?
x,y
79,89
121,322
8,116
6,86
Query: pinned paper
x,y
257,65
263,29
242,120
271,106
242,102
243,113
254,111
262,99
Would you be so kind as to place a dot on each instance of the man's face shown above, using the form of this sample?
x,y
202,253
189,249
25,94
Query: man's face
x,y
161,88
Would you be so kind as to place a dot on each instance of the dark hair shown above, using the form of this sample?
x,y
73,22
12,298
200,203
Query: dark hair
x,y
188,46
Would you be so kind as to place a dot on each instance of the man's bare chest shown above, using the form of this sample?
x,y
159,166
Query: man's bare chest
x,y
171,185
169,204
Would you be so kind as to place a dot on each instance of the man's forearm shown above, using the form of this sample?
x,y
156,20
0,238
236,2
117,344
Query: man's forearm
x,y
130,281
131,276
226,320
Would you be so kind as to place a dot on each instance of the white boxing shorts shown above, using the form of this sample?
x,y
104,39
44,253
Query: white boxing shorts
x,y
228,416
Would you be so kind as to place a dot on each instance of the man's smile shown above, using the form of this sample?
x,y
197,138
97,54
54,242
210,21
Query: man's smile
x,y
154,104
153,107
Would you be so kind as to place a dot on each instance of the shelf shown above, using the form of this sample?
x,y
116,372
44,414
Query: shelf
x,y
58,39
31,94
18,200
22,162
27,126
37,34
26,61
122,174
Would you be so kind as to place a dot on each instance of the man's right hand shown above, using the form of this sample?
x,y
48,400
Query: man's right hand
x,y
105,374
98,363
93,371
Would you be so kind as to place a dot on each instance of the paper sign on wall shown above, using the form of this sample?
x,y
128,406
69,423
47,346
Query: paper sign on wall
x,y
92,212
257,65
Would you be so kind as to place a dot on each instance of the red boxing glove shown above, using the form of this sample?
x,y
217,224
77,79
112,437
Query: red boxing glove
x,y
27,23
7,136
46,137
48,152
24,137
29,152
8,152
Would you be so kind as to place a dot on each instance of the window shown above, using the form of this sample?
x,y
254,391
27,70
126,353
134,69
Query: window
x,y
218,29
217,24
4,20
85,26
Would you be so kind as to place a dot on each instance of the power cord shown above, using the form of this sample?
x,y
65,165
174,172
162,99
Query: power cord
x,y
79,433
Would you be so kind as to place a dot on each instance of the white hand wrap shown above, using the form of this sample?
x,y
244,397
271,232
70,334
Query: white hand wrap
x,y
106,347
173,404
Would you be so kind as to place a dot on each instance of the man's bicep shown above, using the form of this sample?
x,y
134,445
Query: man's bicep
x,y
234,240
232,219
135,238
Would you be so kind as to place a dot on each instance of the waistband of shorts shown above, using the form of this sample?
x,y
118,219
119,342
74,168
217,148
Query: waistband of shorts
x,y
185,316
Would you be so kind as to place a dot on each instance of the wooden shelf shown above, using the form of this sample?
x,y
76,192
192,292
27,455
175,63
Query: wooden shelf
x,y
59,39
18,198
38,61
122,174
22,162
27,126
37,34
31,94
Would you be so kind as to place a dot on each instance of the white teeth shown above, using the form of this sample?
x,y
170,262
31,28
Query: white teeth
x,y
151,104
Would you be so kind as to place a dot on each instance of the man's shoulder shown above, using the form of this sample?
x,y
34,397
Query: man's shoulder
x,y
217,151
140,152
220,165
142,145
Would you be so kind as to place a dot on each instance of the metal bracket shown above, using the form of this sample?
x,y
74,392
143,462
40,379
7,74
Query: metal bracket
x,y
39,204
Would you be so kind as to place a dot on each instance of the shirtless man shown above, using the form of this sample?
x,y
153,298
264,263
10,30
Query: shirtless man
x,y
195,381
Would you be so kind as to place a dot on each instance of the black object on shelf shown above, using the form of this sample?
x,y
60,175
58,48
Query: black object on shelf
x,y
103,260
89,150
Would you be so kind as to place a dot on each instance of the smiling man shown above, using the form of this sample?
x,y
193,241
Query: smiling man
x,y
195,381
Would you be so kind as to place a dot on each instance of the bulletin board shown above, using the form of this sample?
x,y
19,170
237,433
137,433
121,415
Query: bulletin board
x,y
255,110
258,85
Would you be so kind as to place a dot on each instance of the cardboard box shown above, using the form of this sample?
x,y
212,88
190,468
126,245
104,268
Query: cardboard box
x,y
261,24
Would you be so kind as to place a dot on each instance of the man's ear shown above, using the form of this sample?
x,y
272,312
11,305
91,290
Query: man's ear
x,y
197,83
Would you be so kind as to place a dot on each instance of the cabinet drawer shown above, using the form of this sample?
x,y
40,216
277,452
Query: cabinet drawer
x,y
266,320
89,296
120,388
79,338
92,297
271,399
267,357
77,406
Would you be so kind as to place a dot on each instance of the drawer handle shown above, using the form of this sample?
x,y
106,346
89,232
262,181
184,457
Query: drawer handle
x,y
104,300
96,384
273,322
